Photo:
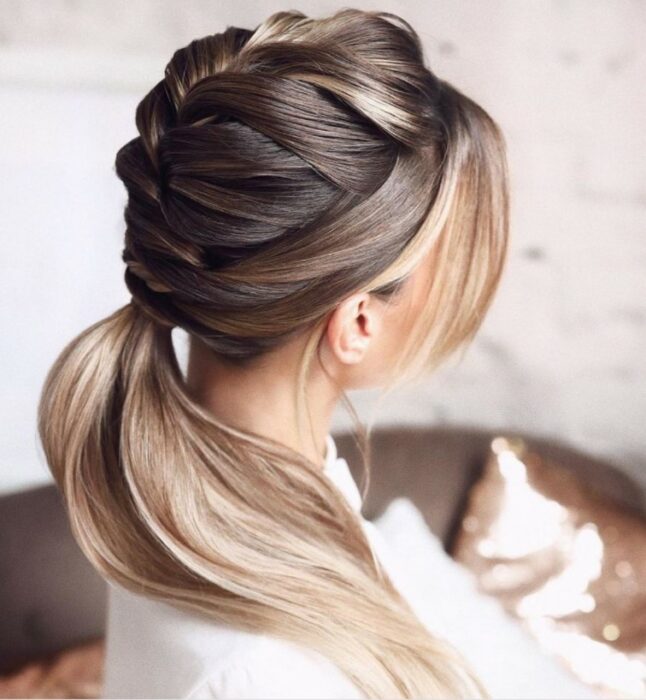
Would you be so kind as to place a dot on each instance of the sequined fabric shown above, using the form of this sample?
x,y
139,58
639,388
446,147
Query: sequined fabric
x,y
568,563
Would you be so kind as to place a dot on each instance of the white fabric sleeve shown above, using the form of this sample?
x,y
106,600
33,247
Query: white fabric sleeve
x,y
273,668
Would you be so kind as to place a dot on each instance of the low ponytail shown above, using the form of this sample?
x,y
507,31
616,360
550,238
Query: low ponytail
x,y
165,501
274,173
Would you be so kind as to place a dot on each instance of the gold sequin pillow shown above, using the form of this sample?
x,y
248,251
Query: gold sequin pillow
x,y
568,563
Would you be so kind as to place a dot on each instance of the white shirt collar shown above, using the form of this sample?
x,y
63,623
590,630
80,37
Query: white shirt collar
x,y
338,471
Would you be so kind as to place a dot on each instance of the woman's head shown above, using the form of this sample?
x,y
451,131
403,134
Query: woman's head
x,y
312,182
278,172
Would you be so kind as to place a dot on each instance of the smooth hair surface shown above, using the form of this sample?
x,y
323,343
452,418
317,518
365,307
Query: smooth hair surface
x,y
275,172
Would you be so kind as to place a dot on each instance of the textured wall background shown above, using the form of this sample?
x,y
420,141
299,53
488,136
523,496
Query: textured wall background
x,y
562,351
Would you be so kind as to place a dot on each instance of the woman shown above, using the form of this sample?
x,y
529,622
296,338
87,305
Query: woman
x,y
320,213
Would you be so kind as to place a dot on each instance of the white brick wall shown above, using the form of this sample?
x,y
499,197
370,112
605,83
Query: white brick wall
x,y
562,351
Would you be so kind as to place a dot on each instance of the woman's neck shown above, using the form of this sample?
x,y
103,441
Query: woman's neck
x,y
260,398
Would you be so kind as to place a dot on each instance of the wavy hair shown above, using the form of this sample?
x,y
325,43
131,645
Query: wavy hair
x,y
275,172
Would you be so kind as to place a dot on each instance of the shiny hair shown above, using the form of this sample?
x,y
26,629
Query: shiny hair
x,y
275,172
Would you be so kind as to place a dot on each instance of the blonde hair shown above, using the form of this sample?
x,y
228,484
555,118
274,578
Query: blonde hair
x,y
275,171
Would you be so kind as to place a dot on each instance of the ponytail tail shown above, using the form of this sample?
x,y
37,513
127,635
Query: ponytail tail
x,y
80,423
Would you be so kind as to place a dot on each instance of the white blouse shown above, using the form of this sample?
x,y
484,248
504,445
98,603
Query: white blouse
x,y
154,650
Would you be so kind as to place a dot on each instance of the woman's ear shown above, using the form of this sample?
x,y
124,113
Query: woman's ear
x,y
351,328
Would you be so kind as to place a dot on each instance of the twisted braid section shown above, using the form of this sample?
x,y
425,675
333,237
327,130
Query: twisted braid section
x,y
265,165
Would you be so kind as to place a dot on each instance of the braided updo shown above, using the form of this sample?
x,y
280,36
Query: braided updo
x,y
275,171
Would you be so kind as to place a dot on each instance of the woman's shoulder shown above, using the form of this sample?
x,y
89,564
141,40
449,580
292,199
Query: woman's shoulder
x,y
269,667
173,643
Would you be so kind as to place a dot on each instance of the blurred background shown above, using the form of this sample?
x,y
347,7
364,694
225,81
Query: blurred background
x,y
562,351
497,450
